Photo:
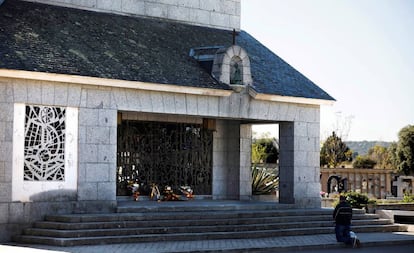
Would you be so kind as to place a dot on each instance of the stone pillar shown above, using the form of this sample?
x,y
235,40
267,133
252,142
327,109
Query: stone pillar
x,y
6,148
299,164
97,158
245,162
286,163
324,180
233,159
226,160
219,162
7,211
388,184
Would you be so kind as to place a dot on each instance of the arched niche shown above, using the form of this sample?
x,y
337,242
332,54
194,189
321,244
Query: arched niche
x,y
232,66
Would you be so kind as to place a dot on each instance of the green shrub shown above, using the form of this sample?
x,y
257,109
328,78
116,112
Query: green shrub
x,y
372,202
363,162
356,200
264,150
408,198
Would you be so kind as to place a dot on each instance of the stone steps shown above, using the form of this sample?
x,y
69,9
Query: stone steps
x,y
72,241
206,216
323,220
404,217
168,215
174,229
184,223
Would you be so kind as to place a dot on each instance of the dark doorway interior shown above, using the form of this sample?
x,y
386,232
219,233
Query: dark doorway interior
x,y
173,154
337,184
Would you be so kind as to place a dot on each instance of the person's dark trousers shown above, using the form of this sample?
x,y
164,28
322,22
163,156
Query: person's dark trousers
x,y
342,233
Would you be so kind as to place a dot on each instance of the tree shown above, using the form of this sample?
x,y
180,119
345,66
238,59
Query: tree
x,y
363,162
381,156
392,156
334,151
265,150
405,150
258,153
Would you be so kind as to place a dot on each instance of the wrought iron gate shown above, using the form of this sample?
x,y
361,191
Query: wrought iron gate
x,y
171,154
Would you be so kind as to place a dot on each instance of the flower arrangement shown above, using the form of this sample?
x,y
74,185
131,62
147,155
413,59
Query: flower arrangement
x,y
155,194
134,187
169,194
187,192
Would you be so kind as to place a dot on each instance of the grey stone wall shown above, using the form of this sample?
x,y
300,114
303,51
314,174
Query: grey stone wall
x,y
98,107
97,152
6,141
223,14
6,148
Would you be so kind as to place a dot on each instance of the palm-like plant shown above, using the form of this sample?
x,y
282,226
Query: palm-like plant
x,y
264,182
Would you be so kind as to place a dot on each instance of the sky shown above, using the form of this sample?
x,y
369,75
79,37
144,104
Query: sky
x,y
359,51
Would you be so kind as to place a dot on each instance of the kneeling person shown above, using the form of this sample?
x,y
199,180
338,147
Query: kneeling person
x,y
343,216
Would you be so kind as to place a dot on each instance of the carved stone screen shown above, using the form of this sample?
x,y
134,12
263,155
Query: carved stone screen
x,y
172,154
44,143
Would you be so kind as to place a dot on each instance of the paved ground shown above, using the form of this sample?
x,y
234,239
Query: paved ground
x,y
308,243
403,248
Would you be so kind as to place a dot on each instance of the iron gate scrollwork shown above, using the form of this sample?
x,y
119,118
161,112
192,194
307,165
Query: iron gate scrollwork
x,y
171,154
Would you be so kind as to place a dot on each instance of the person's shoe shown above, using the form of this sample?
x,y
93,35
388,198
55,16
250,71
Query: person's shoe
x,y
358,243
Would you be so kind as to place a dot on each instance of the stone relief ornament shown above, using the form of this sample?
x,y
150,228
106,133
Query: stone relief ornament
x,y
44,143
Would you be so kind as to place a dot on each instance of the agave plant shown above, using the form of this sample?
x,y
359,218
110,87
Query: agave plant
x,y
264,182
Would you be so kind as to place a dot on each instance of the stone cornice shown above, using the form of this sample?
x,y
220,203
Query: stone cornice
x,y
64,78
288,99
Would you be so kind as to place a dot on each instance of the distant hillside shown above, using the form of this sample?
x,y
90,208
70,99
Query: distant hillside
x,y
362,147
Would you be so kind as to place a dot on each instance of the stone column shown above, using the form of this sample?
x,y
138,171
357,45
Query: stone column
x,y
388,184
233,159
8,213
245,162
299,164
286,163
226,160
324,180
97,158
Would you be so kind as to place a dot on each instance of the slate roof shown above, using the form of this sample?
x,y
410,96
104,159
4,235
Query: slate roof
x,y
46,38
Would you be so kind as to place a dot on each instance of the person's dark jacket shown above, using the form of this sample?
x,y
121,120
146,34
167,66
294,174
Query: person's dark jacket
x,y
343,213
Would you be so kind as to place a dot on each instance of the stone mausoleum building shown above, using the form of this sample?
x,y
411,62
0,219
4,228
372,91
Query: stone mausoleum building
x,y
96,93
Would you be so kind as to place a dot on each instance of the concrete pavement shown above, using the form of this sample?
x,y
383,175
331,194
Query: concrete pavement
x,y
275,244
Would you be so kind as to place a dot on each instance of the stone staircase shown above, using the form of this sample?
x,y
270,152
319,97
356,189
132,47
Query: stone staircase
x,y
192,221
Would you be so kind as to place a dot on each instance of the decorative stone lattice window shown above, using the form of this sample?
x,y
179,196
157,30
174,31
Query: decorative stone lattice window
x,y
44,143
45,153
232,66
